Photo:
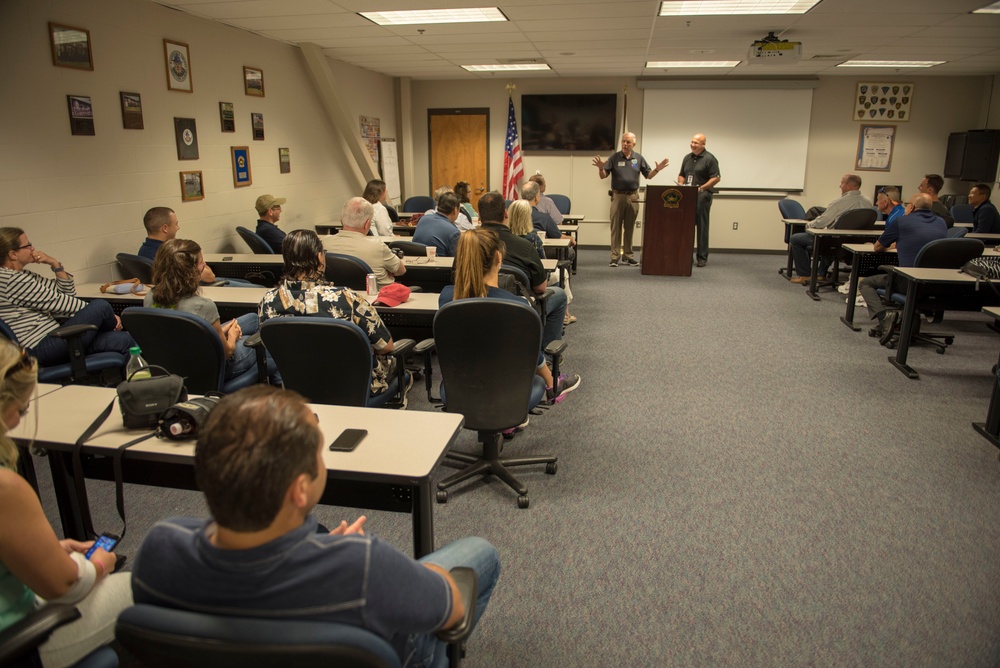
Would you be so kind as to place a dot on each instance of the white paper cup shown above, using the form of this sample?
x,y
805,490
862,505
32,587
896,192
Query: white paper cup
x,y
432,252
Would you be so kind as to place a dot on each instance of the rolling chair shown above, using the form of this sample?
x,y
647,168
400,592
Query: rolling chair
x,y
957,232
409,248
168,638
948,253
20,641
342,376
104,368
256,242
856,219
187,345
418,204
347,271
962,213
790,208
136,266
490,380
515,281
563,203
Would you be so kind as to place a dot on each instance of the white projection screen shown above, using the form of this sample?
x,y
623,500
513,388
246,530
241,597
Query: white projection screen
x,y
760,136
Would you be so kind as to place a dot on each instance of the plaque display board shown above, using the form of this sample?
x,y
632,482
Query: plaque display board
x,y
668,232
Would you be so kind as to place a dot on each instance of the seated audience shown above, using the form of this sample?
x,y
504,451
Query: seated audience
x,y
35,566
887,203
376,194
304,292
985,218
519,214
31,304
931,185
477,274
269,210
438,228
545,203
354,240
260,463
464,222
176,273
461,191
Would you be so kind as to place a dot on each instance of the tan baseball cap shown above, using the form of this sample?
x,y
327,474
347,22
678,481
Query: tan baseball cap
x,y
265,202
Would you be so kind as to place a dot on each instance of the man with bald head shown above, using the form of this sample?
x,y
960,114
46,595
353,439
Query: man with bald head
x,y
909,232
700,168
356,218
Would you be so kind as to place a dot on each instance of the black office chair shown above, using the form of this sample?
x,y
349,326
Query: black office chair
x,y
97,368
957,232
187,345
790,208
20,641
136,266
857,219
256,242
949,253
563,203
962,213
169,638
490,380
418,204
515,281
342,374
347,271
409,248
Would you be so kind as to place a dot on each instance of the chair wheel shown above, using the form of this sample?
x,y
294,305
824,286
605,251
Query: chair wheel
x,y
939,351
442,496
891,345
522,502
551,468
949,340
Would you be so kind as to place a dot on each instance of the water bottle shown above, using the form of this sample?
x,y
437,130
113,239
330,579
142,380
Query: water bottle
x,y
182,427
137,367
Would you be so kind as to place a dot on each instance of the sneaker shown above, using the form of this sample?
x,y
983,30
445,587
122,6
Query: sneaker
x,y
631,262
888,325
614,263
569,319
702,263
565,384
513,430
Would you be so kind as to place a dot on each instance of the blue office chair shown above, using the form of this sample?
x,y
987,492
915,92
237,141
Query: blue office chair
x,y
563,203
962,213
187,345
957,232
418,204
342,376
20,641
105,368
790,208
347,271
256,242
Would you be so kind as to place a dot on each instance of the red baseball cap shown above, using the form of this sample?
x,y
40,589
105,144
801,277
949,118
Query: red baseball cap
x,y
393,294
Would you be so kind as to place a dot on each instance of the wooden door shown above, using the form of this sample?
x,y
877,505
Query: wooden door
x,y
459,141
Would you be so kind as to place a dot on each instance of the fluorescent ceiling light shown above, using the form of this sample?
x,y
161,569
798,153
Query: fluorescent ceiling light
x,y
425,16
726,7
988,9
504,68
666,64
892,63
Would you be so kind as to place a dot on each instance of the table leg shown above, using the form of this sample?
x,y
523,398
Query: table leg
x,y
814,270
852,292
423,519
905,328
74,510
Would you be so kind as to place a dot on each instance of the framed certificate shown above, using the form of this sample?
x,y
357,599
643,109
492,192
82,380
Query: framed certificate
x,y
242,176
178,62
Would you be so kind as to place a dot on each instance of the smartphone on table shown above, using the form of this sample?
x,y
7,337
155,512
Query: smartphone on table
x,y
348,440
106,541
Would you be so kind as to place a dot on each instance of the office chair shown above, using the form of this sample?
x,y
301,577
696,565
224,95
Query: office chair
x,y
857,219
136,266
790,208
490,380
188,345
563,203
20,641
102,368
168,638
515,281
409,248
948,253
329,361
256,242
347,271
957,232
418,204
962,213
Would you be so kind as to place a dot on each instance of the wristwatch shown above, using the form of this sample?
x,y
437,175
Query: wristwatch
x,y
56,270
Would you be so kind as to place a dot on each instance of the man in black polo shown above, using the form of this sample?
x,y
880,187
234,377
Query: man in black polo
x,y
700,168
624,168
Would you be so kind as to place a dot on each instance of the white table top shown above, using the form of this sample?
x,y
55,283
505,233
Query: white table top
x,y
556,243
834,232
574,217
992,310
409,260
869,248
926,275
983,235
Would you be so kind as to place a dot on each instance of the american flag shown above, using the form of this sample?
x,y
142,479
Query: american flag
x,y
513,170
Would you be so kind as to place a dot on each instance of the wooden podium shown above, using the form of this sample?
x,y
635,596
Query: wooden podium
x,y
668,231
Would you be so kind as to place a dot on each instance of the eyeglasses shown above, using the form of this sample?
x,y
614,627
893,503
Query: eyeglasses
x,y
26,246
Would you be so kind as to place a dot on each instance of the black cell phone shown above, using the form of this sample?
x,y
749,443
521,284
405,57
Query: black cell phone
x,y
348,440
107,541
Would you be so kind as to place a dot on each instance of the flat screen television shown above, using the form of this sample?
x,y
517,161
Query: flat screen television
x,y
955,155
569,122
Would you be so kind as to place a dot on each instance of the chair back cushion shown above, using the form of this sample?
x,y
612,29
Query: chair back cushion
x,y
135,266
563,203
418,204
790,208
857,219
256,242
488,352
347,271
962,213
328,361
409,248
949,253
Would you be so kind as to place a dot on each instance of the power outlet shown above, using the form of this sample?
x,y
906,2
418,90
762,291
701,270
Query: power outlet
x,y
736,226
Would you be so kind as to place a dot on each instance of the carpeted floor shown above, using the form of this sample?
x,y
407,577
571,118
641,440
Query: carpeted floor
x,y
742,481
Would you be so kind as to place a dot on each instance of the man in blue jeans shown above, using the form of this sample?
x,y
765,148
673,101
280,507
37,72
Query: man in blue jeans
x,y
259,461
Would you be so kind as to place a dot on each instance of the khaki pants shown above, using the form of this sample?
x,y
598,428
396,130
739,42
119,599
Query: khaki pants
x,y
624,209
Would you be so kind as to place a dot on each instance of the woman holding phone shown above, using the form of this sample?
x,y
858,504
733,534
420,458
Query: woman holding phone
x,y
35,566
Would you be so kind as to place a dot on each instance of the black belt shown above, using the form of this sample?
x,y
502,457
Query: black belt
x,y
624,192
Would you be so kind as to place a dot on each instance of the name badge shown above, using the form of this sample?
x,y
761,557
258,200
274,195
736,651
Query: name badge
x,y
621,164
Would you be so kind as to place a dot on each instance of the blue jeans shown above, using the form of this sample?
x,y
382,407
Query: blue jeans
x,y
52,350
802,248
244,359
475,553
554,314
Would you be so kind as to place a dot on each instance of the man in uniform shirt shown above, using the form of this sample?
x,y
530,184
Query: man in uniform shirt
x,y
985,219
624,168
700,168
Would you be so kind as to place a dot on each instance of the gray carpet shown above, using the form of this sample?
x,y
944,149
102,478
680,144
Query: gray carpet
x,y
742,481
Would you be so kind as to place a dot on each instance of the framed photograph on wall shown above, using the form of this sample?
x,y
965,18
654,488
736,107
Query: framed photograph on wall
x,y
186,135
178,61
257,123
284,161
192,186
70,47
81,115
242,176
253,81
227,114
131,110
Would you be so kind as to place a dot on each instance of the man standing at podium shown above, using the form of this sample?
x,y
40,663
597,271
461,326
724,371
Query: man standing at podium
x,y
625,167
700,168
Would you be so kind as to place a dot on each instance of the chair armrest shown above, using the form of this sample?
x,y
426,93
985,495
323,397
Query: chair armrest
x,y
72,331
556,348
426,348
415,288
403,347
254,341
221,283
26,635
468,586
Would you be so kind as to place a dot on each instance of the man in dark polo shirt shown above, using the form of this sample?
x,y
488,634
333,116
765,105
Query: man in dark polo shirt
x,y
985,219
931,185
522,254
624,168
700,168
269,209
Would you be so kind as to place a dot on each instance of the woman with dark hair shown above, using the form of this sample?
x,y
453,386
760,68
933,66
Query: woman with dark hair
x,y
177,285
30,304
303,291
477,274
462,192
35,566
376,193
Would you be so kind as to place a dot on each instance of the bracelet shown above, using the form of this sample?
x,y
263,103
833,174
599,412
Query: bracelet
x,y
56,270
97,563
